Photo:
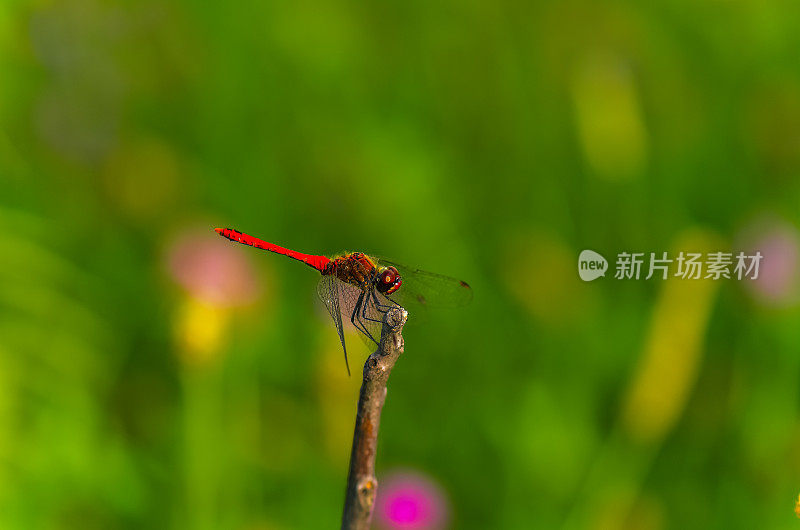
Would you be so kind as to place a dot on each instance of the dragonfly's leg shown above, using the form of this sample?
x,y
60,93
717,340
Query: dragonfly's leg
x,y
383,308
355,312
364,310
355,316
365,315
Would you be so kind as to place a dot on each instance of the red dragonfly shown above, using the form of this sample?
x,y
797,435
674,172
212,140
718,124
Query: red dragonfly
x,y
361,288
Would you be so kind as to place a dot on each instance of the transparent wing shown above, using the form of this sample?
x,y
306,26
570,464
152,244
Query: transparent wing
x,y
428,289
328,292
349,306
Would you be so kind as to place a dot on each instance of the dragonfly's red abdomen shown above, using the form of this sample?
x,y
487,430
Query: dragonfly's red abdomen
x,y
317,262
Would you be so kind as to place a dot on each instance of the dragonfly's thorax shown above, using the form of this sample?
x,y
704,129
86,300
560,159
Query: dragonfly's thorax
x,y
356,268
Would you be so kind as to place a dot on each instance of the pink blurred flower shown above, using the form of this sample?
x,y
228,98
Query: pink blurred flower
x,y
212,270
410,500
777,283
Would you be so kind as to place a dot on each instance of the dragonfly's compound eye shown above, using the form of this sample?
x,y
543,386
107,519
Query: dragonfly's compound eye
x,y
388,281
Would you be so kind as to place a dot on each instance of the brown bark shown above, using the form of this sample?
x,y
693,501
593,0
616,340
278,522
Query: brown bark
x,y
361,483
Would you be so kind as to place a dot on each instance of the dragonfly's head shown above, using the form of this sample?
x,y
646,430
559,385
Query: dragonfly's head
x,y
388,280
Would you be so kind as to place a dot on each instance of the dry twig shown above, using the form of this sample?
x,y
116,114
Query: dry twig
x,y
361,483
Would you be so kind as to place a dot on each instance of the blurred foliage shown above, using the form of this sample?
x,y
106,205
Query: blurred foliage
x,y
491,141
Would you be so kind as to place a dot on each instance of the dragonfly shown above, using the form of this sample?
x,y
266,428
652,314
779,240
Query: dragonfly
x,y
360,288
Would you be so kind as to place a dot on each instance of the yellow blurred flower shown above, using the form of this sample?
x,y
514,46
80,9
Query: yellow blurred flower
x,y
199,330
608,114
672,352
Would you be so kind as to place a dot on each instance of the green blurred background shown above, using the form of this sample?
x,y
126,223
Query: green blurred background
x,y
153,375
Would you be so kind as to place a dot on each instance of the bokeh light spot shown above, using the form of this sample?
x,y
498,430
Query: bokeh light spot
x,y
410,500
